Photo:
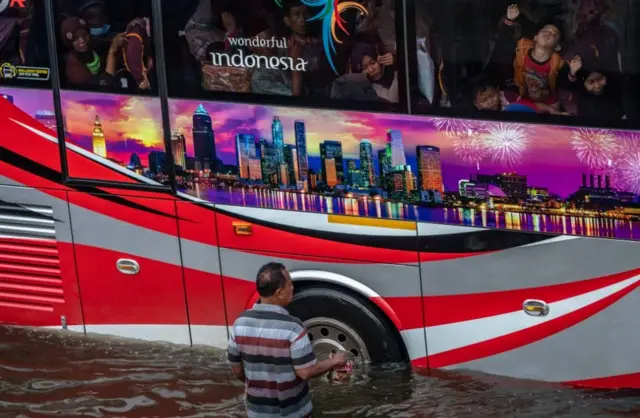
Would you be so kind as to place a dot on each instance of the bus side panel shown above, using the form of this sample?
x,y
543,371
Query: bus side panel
x,y
130,277
203,283
322,246
318,234
38,283
29,150
582,330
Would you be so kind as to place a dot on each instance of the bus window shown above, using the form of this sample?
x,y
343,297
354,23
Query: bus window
x,y
24,57
556,59
123,133
106,46
273,48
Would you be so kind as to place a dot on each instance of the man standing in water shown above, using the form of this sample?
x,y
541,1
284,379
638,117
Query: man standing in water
x,y
270,351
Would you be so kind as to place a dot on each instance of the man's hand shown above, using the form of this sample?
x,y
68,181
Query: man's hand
x,y
339,358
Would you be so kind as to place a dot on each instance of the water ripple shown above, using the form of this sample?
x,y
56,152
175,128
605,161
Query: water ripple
x,y
62,374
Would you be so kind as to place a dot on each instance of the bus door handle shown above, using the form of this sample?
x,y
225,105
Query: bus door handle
x,y
128,266
535,307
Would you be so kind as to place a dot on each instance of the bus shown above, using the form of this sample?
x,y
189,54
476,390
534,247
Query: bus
x,y
452,184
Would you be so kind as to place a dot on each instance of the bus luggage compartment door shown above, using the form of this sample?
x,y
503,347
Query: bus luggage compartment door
x,y
129,267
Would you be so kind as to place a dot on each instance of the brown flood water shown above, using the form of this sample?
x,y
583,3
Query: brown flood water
x,y
45,374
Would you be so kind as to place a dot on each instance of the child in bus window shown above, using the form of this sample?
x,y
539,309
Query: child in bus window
x,y
538,66
595,92
95,13
486,96
82,64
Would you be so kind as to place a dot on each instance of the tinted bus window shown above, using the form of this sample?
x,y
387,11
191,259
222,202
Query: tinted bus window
x,y
554,57
106,46
268,48
24,57
107,68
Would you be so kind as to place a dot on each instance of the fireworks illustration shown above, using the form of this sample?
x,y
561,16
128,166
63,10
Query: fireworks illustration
x,y
331,17
454,127
469,147
626,168
596,148
506,143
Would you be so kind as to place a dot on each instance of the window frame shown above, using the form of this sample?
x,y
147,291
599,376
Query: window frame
x,y
79,182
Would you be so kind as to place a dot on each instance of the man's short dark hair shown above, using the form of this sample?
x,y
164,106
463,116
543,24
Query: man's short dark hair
x,y
271,277
290,4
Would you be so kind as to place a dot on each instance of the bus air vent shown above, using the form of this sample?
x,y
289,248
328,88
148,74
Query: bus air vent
x,y
29,264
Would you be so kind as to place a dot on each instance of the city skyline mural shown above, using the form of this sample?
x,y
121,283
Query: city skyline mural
x,y
533,177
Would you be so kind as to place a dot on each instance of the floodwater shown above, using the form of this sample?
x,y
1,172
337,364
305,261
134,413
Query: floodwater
x,y
45,373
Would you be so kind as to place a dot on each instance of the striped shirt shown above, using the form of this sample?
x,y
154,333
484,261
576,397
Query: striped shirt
x,y
271,345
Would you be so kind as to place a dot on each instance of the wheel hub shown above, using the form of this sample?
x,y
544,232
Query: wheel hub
x,y
330,335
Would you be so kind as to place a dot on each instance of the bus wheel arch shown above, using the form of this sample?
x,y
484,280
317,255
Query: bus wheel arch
x,y
338,316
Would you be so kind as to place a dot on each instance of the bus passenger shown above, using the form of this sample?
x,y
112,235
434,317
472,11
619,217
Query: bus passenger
x,y
137,58
595,94
95,13
265,80
83,66
316,81
538,67
379,70
488,97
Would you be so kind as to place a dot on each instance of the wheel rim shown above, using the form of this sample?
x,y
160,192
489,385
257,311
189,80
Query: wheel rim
x,y
329,335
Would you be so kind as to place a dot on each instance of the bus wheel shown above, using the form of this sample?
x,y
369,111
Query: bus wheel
x,y
338,321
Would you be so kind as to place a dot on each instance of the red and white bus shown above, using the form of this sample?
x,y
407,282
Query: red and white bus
x,y
459,190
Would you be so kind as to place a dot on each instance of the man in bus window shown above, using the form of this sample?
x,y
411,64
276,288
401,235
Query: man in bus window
x,y
304,44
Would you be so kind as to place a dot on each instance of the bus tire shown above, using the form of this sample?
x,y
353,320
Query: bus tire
x,y
337,320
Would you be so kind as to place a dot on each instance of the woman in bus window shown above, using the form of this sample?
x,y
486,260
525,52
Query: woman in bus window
x,y
82,64
379,70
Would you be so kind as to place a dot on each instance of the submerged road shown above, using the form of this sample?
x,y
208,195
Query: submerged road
x,y
45,374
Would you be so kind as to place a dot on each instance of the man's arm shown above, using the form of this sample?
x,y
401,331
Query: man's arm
x,y
235,358
304,361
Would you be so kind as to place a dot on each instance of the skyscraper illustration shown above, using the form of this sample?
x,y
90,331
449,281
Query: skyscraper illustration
x,y
156,162
394,138
266,152
301,147
429,168
179,149
277,134
290,160
203,140
366,162
98,140
332,150
245,153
